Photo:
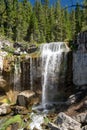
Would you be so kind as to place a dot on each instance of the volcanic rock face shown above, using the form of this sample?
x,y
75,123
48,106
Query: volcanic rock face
x,y
82,40
79,68
80,60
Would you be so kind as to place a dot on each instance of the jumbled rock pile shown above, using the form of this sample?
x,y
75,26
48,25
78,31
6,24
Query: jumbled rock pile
x,y
65,122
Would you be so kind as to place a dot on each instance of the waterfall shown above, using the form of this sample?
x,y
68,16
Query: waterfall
x,y
2,55
17,75
53,63
31,73
1,64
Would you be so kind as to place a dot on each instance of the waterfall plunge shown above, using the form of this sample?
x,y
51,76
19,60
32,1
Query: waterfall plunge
x,y
53,62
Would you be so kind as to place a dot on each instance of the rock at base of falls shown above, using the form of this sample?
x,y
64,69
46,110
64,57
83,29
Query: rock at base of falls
x,y
81,118
24,98
64,122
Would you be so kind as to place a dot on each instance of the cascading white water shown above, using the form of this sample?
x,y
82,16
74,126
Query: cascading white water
x,y
17,75
2,55
53,60
1,63
31,73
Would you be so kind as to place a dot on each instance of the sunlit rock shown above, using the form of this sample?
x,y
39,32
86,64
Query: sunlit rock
x,y
66,122
4,109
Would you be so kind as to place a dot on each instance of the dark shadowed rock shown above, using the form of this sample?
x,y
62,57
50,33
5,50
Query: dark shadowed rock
x,y
24,98
84,128
53,126
77,97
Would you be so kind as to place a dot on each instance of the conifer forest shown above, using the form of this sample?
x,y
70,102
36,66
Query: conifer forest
x,y
41,22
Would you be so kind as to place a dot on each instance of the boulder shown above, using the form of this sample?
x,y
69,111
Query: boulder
x,y
64,122
84,128
4,109
53,126
24,98
81,118
77,97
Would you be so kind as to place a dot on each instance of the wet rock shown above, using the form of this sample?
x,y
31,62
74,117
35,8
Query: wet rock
x,y
76,97
49,106
85,103
81,118
4,109
32,48
67,123
38,108
24,98
17,45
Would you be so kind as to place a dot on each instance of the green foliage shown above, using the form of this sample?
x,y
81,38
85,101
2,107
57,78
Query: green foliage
x,y
46,120
12,120
84,28
9,49
39,23
72,46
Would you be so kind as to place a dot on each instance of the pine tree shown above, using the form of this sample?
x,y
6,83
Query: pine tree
x,y
78,17
58,22
39,12
73,24
19,20
84,18
52,23
9,19
2,16
33,31
67,25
